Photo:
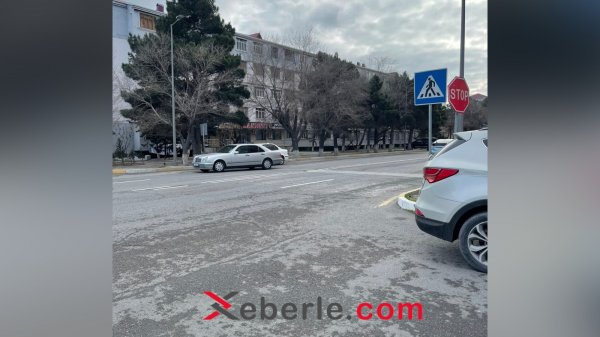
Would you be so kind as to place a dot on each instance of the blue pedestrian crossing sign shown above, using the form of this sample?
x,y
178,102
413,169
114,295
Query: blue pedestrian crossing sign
x,y
430,87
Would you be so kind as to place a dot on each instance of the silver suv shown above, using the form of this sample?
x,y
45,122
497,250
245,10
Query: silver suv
x,y
452,204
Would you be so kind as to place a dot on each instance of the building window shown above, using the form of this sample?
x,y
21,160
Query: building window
x,y
288,75
260,113
289,55
276,134
147,22
261,134
240,44
259,92
274,52
276,94
259,69
258,48
275,73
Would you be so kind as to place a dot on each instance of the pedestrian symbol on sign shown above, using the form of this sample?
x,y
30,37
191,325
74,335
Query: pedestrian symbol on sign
x,y
430,89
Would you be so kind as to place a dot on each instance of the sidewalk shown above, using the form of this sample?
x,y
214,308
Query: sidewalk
x,y
160,165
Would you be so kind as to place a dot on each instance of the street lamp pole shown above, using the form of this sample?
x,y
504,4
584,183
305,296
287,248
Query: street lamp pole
x,y
179,17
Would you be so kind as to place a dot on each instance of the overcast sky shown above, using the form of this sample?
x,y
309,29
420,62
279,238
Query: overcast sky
x,y
416,34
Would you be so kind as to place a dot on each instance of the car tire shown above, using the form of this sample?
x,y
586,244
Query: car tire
x,y
267,164
219,166
205,171
473,241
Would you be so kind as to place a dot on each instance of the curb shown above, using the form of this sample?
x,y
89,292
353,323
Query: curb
x,y
119,171
406,204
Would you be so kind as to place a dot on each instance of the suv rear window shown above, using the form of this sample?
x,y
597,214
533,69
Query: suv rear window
x,y
453,144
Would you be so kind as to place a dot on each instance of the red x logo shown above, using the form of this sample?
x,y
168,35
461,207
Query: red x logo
x,y
222,302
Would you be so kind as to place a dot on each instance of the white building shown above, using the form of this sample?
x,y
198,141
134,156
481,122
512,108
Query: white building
x,y
136,20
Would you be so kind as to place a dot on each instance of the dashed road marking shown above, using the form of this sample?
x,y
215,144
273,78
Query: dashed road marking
x,y
158,188
129,181
309,183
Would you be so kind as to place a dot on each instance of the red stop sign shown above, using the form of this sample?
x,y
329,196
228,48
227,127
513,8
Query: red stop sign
x,y
458,94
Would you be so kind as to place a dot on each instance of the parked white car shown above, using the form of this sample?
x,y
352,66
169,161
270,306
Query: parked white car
x,y
273,147
439,144
237,155
452,204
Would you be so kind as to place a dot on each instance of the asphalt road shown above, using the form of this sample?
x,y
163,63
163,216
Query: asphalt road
x,y
304,230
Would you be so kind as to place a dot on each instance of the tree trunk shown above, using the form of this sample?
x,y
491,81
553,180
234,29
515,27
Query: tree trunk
x,y
368,146
410,137
344,142
362,137
376,140
322,136
391,147
186,143
196,146
335,144
295,142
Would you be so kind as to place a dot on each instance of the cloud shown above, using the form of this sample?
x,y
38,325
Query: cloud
x,y
416,34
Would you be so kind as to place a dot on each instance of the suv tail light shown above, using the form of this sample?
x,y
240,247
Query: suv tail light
x,y
418,212
433,174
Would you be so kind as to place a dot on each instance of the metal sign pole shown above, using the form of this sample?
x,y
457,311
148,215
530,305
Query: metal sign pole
x,y
429,139
458,117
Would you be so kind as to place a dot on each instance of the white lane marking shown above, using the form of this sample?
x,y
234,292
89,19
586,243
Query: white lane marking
x,y
312,182
129,181
159,188
246,178
376,163
404,175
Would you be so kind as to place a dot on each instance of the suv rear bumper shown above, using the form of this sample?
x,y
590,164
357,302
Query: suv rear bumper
x,y
442,230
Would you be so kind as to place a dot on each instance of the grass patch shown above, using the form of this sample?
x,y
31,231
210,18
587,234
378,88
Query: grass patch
x,y
412,196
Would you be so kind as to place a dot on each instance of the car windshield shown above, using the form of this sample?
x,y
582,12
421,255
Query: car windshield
x,y
226,149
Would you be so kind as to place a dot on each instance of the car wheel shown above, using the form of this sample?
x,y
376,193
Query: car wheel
x,y
473,241
219,166
267,163
205,171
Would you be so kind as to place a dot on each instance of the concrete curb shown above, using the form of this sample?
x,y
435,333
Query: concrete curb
x,y
120,171
406,204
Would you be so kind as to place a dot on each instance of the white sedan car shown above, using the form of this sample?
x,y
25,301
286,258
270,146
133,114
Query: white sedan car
x,y
273,147
237,155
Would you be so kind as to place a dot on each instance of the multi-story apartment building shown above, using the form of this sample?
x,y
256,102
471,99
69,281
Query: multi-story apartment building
x,y
271,69
136,20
